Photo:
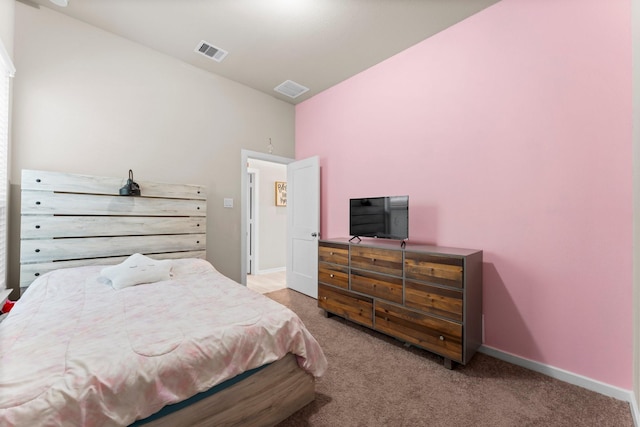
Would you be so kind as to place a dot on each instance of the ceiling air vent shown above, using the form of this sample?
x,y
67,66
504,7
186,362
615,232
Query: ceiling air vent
x,y
290,89
211,51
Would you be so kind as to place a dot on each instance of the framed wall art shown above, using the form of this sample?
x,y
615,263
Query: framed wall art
x,y
281,193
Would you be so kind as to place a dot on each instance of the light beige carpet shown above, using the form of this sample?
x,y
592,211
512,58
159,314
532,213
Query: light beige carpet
x,y
373,380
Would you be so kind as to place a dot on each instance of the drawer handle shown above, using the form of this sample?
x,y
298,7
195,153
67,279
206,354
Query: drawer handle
x,y
330,253
441,337
331,275
373,260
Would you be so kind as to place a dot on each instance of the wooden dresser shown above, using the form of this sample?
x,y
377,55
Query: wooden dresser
x,y
427,296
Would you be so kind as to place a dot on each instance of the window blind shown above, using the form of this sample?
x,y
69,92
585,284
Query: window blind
x,y
7,71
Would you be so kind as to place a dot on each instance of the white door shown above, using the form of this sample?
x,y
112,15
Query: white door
x,y
303,225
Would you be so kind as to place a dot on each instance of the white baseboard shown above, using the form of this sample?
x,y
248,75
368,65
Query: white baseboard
x,y
566,376
271,270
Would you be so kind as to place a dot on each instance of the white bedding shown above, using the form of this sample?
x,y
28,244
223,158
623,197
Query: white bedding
x,y
74,351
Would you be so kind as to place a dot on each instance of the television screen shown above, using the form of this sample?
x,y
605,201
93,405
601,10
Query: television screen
x,y
382,217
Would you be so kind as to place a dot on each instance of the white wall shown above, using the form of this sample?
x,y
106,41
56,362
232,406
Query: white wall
x,y
272,219
7,11
89,102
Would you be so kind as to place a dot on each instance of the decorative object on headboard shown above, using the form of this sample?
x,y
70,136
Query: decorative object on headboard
x,y
131,188
71,220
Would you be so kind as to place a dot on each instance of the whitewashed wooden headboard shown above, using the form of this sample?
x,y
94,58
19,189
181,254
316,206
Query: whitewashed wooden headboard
x,y
71,220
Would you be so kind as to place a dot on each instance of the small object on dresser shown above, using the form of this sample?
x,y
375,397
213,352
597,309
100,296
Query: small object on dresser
x,y
7,306
4,295
5,303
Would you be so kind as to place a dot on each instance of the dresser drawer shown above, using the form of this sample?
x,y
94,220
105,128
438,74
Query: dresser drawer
x,y
438,335
354,307
377,285
442,270
333,274
444,302
386,261
334,253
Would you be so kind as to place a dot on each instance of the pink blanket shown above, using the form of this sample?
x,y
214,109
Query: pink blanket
x,y
74,351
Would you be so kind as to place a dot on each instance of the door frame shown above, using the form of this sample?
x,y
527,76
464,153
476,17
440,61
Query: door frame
x,y
245,155
252,205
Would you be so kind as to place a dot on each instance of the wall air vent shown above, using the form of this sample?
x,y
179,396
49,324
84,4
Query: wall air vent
x,y
211,51
291,89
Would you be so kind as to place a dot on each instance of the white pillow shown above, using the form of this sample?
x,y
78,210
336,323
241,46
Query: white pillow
x,y
137,269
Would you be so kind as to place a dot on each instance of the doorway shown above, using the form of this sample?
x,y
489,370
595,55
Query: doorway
x,y
266,226
264,268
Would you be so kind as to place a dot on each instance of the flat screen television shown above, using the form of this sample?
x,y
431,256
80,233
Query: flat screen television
x,y
381,217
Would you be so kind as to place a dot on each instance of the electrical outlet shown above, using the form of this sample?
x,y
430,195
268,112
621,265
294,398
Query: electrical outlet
x,y
228,203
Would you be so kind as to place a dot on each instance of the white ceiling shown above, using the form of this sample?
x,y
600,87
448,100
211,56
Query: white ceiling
x,y
316,43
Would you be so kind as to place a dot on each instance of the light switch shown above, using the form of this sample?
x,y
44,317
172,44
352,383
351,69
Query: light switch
x,y
228,202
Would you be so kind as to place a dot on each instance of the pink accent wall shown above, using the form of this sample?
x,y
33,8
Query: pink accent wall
x,y
511,133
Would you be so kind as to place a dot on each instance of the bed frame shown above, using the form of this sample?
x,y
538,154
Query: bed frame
x,y
70,220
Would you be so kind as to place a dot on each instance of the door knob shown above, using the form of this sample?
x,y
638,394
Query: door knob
x,y
314,234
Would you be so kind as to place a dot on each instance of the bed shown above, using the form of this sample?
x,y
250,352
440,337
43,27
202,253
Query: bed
x,y
193,348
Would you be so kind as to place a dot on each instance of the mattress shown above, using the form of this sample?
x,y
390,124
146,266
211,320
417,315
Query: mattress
x,y
74,351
